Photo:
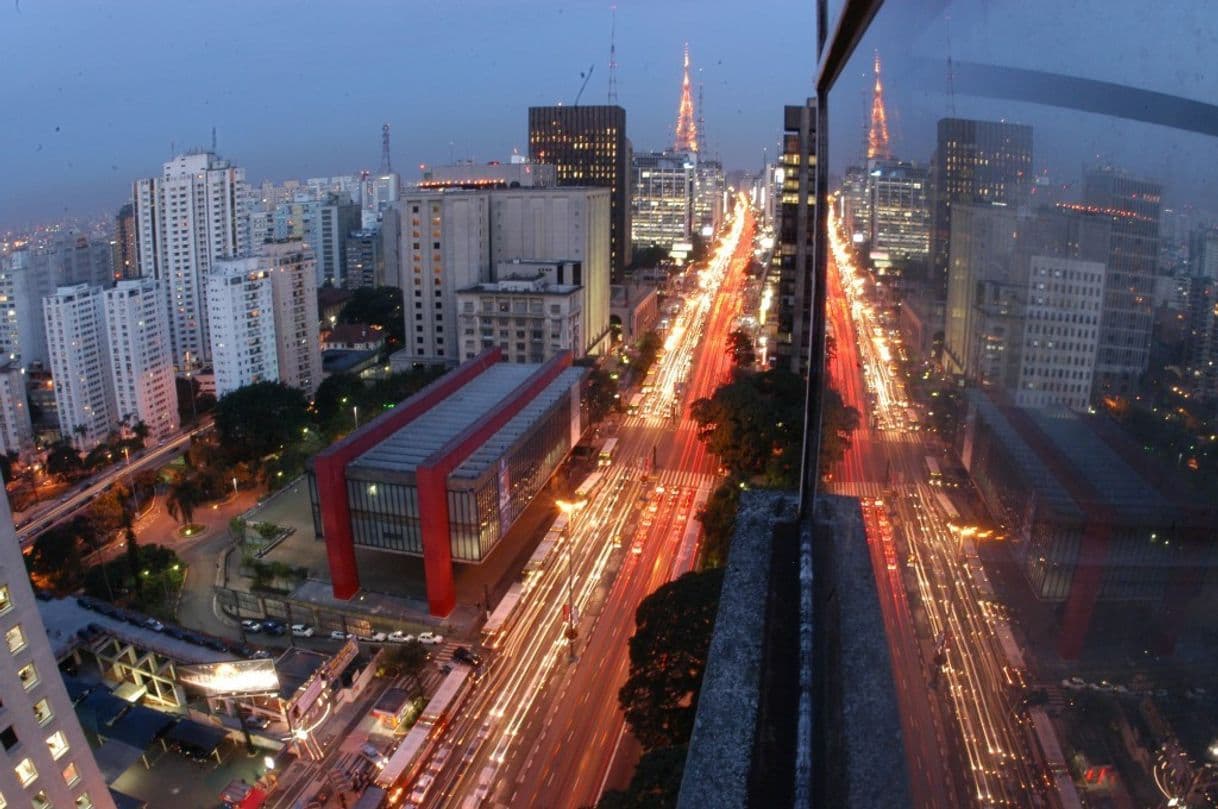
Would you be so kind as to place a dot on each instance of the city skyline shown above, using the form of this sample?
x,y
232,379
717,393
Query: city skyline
x,y
458,91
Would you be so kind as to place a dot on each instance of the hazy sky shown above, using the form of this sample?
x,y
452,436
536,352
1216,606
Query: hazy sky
x,y
96,93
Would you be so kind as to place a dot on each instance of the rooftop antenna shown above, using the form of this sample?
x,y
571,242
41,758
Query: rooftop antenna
x,y
585,77
701,128
386,162
613,56
213,140
951,69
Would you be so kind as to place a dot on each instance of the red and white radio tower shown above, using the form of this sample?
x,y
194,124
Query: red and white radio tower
x,y
686,139
877,136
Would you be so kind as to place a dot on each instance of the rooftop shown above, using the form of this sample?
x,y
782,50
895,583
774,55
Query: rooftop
x,y
295,666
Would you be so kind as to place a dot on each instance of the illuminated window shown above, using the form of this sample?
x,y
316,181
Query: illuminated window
x,y
40,800
26,773
70,776
15,638
58,743
6,604
83,801
28,676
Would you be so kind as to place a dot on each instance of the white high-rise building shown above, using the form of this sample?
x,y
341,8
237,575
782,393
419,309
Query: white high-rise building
x,y
436,242
195,213
141,357
45,761
240,306
22,331
293,292
559,224
16,431
377,194
1061,332
80,364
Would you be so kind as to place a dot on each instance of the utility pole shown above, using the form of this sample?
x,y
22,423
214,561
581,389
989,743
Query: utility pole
x,y
570,508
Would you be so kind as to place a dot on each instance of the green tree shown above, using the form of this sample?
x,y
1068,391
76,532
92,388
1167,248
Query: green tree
x,y
378,306
334,399
140,431
7,460
601,393
740,346
668,653
111,509
754,424
184,497
648,349
406,660
133,558
838,421
63,460
261,419
718,520
656,782
55,557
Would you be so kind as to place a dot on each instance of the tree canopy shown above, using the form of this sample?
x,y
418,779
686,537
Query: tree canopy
x,y
601,393
378,306
259,419
837,422
656,782
668,654
740,346
754,424
718,519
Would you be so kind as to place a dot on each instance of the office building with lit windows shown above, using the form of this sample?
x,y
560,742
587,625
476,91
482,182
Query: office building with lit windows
x,y
588,146
792,259
446,473
46,761
899,215
661,199
975,162
1133,206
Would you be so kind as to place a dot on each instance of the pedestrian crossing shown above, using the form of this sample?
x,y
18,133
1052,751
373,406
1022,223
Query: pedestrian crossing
x,y
851,489
686,479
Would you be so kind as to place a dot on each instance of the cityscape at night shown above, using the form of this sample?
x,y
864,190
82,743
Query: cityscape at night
x,y
609,407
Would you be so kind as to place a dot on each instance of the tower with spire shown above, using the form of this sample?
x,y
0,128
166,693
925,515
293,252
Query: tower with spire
x,y
686,138
877,134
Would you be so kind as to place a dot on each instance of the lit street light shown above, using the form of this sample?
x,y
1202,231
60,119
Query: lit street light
x,y
569,508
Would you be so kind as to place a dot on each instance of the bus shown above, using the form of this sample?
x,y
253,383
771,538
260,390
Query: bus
x,y
585,489
503,616
636,402
933,470
606,454
411,755
649,381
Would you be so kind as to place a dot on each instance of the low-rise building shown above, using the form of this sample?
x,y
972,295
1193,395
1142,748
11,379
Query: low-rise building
x,y
530,319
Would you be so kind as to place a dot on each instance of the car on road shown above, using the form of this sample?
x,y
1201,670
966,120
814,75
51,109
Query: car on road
x,y
302,630
430,638
154,625
338,634
421,785
440,758
637,548
398,636
274,628
375,637
251,626
464,655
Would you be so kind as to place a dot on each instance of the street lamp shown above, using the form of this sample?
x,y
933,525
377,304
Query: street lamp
x,y
355,412
234,486
569,508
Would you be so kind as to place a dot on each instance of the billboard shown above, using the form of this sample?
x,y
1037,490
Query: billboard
x,y
232,677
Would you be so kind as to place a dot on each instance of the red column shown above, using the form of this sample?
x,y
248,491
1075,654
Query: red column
x,y
432,482
1084,588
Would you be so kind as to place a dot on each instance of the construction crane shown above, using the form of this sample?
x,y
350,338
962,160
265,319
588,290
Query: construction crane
x,y
586,76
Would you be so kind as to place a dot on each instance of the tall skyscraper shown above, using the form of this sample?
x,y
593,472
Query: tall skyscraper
x,y
321,223
899,214
141,357
436,242
588,146
293,294
1133,206
23,337
975,162
1201,343
240,306
796,232
80,364
365,257
194,214
661,207
126,261
45,761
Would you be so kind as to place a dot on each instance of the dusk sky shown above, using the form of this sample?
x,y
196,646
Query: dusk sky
x,y
97,93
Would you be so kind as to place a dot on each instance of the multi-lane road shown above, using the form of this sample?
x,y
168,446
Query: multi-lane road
x,y
543,727
958,687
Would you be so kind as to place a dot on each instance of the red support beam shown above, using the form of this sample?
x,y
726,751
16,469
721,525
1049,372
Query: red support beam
x,y
330,466
431,477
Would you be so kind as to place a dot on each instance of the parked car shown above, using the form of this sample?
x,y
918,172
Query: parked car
x,y
251,626
375,637
154,625
338,634
302,630
430,638
176,632
274,628
398,636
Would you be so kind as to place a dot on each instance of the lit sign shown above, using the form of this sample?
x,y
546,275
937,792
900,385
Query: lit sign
x,y
232,677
